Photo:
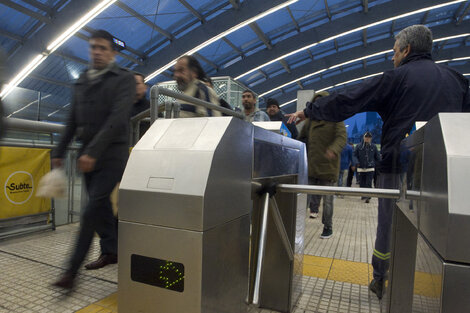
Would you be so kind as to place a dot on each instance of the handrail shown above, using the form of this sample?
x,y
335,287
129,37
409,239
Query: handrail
x,y
156,90
32,126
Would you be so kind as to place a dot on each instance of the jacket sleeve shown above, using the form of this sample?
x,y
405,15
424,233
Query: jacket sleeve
x,y
340,139
292,128
351,159
371,95
376,154
466,102
355,158
70,127
117,119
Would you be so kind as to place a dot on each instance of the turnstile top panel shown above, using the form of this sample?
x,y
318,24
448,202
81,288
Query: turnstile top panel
x,y
192,173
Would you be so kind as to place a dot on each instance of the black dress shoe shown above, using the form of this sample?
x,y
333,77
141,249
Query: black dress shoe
x,y
102,261
66,281
376,286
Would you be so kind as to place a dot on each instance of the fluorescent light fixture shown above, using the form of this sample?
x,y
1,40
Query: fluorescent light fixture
x,y
351,31
22,75
54,45
343,83
454,60
451,37
219,36
103,5
286,103
50,114
360,59
468,74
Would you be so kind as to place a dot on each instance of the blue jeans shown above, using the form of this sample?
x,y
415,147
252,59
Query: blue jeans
x,y
381,254
314,202
341,181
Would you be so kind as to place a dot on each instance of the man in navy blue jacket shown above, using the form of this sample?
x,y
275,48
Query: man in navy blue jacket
x,y
416,90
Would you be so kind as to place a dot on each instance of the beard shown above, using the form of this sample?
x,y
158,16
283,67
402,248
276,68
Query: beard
x,y
182,85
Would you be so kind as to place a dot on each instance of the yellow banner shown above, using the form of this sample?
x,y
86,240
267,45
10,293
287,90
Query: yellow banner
x,y
20,171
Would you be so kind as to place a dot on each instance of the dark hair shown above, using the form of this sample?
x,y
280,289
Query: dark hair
x,y
272,101
252,93
139,74
196,67
368,134
102,34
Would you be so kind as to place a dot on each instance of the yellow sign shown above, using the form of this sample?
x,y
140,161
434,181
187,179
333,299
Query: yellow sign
x,y
20,171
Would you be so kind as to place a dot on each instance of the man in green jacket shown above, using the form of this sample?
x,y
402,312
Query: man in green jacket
x,y
325,141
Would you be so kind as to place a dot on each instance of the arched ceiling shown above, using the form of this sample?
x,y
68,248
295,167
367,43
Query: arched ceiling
x,y
274,47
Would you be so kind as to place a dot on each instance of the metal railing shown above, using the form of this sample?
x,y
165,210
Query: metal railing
x,y
155,91
32,223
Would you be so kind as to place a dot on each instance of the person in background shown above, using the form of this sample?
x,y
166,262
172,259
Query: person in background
x,y
351,170
325,141
345,163
366,156
191,80
101,103
275,114
141,103
416,90
252,113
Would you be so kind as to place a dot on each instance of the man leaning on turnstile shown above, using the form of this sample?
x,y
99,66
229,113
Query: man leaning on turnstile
x,y
416,90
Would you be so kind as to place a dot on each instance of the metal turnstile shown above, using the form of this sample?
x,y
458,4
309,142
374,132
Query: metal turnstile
x,y
186,207
431,234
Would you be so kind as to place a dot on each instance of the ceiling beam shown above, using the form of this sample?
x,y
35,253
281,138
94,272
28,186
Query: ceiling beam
x,y
71,57
235,4
355,53
285,65
464,13
296,25
235,48
327,10
50,80
37,44
206,31
40,6
425,18
364,37
324,31
204,59
365,5
22,9
192,10
144,20
11,36
261,35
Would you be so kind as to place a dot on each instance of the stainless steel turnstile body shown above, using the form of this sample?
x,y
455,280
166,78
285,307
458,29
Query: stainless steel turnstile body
x,y
186,205
430,249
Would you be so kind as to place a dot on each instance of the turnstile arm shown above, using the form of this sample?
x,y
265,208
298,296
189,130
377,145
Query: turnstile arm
x,y
345,191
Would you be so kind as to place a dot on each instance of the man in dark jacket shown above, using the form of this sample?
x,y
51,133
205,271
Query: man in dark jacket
x,y
416,90
141,103
275,114
366,156
99,116
324,141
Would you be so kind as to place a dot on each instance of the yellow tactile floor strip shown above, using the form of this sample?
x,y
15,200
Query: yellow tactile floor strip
x,y
326,268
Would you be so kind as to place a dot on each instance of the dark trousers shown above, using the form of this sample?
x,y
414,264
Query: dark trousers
x,y
97,216
381,254
314,202
365,180
350,177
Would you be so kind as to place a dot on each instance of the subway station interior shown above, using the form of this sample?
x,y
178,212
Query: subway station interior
x,y
212,210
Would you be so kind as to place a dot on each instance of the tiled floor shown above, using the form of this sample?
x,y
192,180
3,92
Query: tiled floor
x,y
335,276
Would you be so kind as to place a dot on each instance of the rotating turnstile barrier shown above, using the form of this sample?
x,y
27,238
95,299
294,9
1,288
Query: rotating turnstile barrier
x,y
186,205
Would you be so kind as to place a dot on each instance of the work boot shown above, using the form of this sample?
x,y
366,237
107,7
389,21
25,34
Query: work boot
x,y
102,261
376,286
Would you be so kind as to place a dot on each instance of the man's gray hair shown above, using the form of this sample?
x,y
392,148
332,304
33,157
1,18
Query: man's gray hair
x,y
419,37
